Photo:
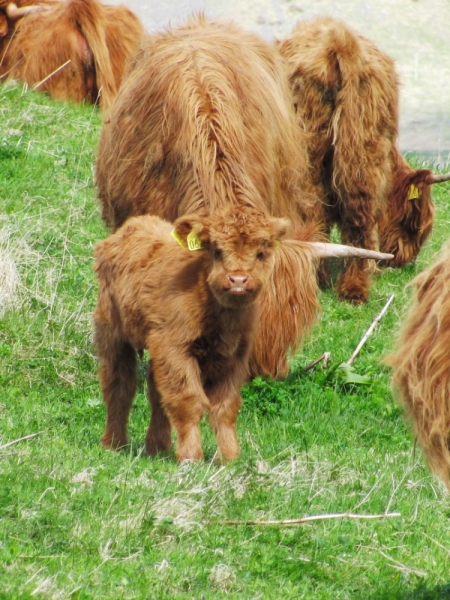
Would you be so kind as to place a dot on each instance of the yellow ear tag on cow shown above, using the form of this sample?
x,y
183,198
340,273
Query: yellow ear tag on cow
x,y
194,242
176,237
413,192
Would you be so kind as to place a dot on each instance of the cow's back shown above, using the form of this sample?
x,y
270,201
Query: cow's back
x,y
346,94
203,119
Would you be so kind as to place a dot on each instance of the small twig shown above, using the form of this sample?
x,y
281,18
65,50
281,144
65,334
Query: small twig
x,y
369,331
307,519
26,437
325,357
35,87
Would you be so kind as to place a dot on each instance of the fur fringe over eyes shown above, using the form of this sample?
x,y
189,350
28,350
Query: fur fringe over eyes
x,y
421,365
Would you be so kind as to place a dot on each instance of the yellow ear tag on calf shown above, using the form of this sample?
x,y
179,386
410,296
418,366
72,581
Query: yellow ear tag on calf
x,y
194,242
176,237
413,192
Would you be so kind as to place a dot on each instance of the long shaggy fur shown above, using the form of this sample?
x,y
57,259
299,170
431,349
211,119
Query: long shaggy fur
x,y
96,39
195,311
421,367
408,221
204,120
346,93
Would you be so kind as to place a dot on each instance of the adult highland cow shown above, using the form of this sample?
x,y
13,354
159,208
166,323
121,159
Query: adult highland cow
x,y
74,50
203,121
421,375
346,96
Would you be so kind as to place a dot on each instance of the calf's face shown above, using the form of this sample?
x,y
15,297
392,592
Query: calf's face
x,y
240,244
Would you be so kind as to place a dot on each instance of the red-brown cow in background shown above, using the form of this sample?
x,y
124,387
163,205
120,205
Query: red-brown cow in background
x,y
421,364
346,97
194,310
76,50
204,120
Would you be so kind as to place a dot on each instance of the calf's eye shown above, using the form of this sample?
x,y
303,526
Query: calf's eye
x,y
217,254
261,256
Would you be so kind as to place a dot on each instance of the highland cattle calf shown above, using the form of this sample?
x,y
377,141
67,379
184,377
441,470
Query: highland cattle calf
x,y
73,49
346,98
189,294
204,120
421,365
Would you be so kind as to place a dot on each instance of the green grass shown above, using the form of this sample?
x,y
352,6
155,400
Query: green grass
x,y
79,522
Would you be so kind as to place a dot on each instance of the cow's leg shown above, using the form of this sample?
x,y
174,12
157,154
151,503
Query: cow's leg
x,y
358,228
118,383
225,399
158,435
223,417
324,219
177,376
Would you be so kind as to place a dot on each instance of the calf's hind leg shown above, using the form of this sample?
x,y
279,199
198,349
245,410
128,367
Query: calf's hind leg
x,y
158,435
118,383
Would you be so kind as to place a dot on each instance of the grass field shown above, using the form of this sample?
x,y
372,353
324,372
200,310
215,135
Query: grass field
x,y
79,522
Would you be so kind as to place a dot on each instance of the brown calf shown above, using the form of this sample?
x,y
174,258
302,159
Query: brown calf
x,y
346,98
421,365
75,50
204,120
194,310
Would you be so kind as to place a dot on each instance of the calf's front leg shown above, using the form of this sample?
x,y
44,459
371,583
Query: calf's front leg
x,y
225,399
177,377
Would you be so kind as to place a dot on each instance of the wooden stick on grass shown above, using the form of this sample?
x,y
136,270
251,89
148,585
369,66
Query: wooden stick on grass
x,y
369,331
326,359
26,437
306,519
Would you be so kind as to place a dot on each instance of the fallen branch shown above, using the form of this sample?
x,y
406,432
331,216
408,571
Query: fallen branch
x,y
325,357
26,437
306,519
369,331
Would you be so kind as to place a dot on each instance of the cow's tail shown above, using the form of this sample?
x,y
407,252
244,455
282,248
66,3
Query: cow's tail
x,y
89,17
366,116
288,309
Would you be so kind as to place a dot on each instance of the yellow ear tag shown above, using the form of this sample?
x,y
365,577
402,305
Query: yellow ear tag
x,y
413,192
176,237
194,242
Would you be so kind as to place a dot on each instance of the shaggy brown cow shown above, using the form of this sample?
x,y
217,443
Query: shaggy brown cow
x,y
203,120
346,96
193,304
421,374
76,50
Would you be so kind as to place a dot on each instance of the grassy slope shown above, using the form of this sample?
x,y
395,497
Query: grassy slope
x,y
76,521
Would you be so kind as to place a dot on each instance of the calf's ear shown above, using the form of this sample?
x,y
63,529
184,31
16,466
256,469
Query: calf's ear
x,y
280,228
192,231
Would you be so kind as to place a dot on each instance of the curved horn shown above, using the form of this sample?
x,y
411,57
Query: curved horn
x,y
14,13
328,250
438,178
